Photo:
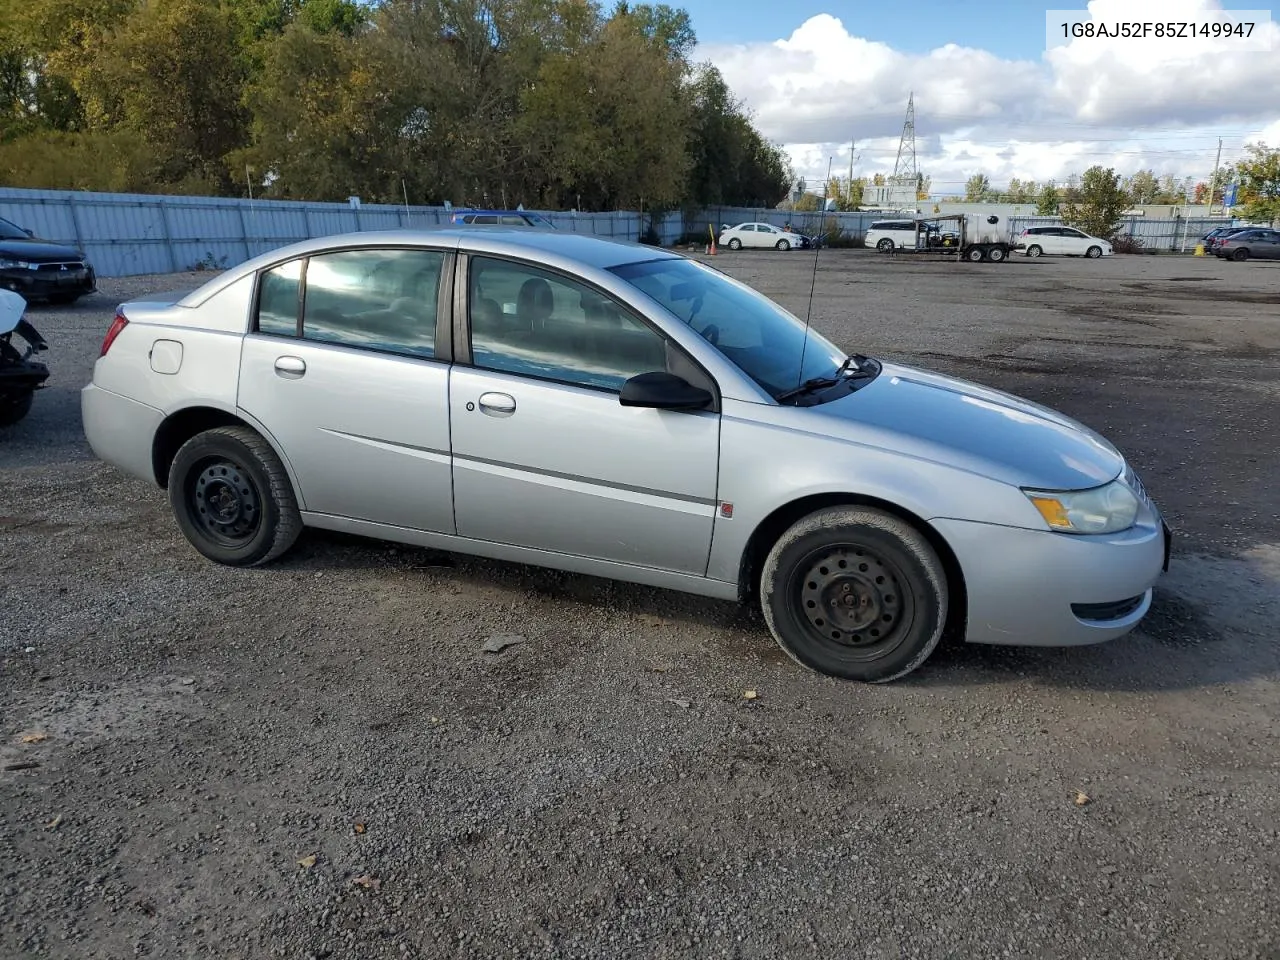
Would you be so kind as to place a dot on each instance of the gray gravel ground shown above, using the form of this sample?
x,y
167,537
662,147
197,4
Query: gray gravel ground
x,y
603,789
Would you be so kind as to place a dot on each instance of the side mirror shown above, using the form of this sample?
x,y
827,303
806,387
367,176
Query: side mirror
x,y
662,391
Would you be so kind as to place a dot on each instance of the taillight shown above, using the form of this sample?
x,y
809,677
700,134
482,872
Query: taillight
x,y
113,331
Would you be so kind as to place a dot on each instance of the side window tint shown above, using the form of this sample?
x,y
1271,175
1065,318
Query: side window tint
x,y
377,299
514,221
537,324
278,300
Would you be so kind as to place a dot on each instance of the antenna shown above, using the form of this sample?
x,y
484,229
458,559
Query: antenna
x,y
813,280
905,165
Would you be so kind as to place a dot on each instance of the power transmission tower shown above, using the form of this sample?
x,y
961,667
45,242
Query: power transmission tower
x,y
904,167
1213,183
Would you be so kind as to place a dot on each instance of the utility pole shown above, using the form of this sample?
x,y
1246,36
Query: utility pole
x,y
1213,183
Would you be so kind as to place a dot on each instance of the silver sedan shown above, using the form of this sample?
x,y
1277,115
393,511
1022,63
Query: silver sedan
x,y
623,411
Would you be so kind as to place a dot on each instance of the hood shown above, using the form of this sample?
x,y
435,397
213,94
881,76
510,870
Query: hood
x,y
976,428
38,251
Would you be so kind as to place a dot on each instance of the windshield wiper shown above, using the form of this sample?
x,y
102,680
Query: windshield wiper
x,y
854,363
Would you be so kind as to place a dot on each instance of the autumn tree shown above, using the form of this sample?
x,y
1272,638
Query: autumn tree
x,y
1095,206
1259,176
1047,201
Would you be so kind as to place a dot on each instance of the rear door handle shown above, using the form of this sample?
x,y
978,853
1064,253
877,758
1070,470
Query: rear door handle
x,y
497,404
291,368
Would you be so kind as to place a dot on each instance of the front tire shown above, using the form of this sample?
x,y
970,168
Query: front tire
x,y
855,593
232,497
996,254
783,245
1034,251
885,245
735,244
976,254
1093,253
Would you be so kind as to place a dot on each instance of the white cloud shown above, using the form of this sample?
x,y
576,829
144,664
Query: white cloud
x,y
1127,103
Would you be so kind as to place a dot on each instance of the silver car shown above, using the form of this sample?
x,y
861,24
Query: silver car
x,y
623,411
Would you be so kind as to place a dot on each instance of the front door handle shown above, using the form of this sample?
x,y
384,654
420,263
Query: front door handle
x,y
497,404
291,368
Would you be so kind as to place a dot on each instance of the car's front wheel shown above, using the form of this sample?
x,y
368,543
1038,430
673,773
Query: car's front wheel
x,y
1093,253
885,245
232,497
783,245
855,593
1034,251
735,244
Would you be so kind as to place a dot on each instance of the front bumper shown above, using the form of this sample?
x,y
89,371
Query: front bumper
x,y
41,284
1042,589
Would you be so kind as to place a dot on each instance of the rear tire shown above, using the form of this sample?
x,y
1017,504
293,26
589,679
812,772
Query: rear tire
x,y
13,409
1239,255
855,593
975,254
232,497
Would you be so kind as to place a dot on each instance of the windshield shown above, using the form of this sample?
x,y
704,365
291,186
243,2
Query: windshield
x,y
8,231
754,333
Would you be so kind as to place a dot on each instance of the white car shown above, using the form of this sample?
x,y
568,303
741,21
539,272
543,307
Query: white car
x,y
758,235
1064,241
887,235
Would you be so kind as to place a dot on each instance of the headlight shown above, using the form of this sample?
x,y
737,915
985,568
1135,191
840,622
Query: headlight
x,y
7,264
1106,509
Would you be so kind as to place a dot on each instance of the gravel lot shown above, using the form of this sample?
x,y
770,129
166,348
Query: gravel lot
x,y
178,736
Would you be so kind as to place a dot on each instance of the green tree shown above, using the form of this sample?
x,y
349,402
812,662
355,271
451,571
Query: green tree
x,y
1143,187
977,188
1096,204
1047,202
924,185
846,192
1259,176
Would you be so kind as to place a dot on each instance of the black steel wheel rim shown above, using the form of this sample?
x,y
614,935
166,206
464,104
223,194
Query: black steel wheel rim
x,y
853,601
224,502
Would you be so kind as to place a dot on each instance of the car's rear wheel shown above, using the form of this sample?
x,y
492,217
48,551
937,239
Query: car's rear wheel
x,y
232,497
855,593
14,408
885,245
735,244
783,245
1093,252
1239,254
1034,250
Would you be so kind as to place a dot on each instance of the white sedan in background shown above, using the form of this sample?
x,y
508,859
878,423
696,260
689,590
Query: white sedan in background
x,y
759,235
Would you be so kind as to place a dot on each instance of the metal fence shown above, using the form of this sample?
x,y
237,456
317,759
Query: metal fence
x,y
130,234
1177,234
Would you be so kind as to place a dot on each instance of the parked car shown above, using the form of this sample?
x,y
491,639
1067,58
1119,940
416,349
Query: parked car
x,y
1061,241
618,410
42,269
1214,238
1260,244
758,235
889,235
20,375
504,218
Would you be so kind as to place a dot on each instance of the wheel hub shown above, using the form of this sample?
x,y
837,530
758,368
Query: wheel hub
x,y
851,597
225,501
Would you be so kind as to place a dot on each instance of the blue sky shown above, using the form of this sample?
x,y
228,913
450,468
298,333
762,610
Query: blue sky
x,y
1007,28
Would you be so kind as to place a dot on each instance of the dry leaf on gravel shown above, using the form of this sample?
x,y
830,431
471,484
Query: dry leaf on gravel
x,y
368,882
308,861
53,824
361,828
1082,798
683,703
35,737
748,695
500,641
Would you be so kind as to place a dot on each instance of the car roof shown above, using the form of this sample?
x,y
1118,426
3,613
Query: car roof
x,y
571,249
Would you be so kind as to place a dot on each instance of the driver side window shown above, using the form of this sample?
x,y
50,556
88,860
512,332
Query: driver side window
x,y
535,323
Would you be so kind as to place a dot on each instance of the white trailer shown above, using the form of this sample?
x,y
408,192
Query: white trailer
x,y
976,237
